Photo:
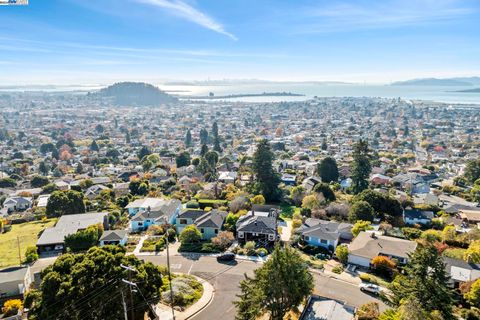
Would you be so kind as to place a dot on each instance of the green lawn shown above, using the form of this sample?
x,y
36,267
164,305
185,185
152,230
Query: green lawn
x,y
27,234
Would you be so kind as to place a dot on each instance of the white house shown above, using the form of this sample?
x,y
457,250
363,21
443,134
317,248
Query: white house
x,y
367,246
17,203
164,213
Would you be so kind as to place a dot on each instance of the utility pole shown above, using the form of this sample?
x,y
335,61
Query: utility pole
x,y
130,294
170,276
19,253
124,305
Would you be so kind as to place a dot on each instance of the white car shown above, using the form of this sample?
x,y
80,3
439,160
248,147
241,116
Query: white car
x,y
370,287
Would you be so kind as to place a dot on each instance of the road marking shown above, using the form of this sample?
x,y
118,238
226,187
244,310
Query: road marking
x,y
175,265
190,270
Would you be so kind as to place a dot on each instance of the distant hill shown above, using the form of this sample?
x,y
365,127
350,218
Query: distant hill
x,y
476,90
135,93
438,82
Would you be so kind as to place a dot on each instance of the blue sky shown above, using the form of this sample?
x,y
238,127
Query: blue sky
x,y
88,41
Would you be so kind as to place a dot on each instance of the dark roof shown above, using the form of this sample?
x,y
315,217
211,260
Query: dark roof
x,y
113,235
212,219
323,229
191,214
257,224
454,208
417,214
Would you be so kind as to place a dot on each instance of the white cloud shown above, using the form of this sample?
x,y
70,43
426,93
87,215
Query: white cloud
x,y
186,11
348,16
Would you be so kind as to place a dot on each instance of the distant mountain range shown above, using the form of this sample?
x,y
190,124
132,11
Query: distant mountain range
x,y
134,93
465,81
476,90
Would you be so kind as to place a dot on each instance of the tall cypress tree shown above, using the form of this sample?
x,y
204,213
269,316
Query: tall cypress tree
x,y
267,180
188,139
361,167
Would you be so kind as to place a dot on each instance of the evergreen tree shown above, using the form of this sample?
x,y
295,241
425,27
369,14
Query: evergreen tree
x,y
215,130
327,170
144,151
127,136
203,136
183,159
267,180
188,139
94,146
426,281
43,168
204,150
216,145
277,287
79,168
361,167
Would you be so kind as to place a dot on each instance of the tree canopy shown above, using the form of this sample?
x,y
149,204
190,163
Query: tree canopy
x,y
65,202
89,286
280,285
328,170
361,167
267,180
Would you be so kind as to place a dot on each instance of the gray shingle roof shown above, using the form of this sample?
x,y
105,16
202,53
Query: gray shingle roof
x,y
257,224
212,219
364,245
69,224
113,235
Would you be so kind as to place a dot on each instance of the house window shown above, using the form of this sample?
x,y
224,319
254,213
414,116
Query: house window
x,y
323,241
183,221
140,223
240,234
216,231
307,238
202,230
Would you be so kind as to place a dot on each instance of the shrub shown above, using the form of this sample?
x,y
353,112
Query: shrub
x,y
224,239
186,290
31,255
190,234
193,204
338,269
11,307
250,248
432,235
342,253
262,252
411,233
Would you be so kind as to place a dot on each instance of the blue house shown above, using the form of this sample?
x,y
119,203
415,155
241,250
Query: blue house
x,y
186,218
208,223
165,213
323,233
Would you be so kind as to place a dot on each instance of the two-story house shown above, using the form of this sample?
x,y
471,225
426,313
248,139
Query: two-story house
x,y
164,212
323,233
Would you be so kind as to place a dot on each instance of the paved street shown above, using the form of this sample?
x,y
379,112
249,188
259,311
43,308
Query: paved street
x,y
225,279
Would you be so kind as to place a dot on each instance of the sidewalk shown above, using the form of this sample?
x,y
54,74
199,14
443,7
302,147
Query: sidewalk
x,y
139,245
165,312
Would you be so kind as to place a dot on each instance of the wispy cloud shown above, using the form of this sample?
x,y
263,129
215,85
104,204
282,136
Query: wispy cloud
x,y
186,11
348,16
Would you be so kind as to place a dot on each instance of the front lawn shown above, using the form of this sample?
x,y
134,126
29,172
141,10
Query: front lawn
x,y
27,234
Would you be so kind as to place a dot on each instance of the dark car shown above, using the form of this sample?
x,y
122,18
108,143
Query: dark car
x,y
227,256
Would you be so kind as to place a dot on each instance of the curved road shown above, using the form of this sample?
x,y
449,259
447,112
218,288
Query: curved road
x,y
225,278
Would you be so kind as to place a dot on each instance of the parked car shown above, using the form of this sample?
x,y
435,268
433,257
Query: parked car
x,y
370,287
226,256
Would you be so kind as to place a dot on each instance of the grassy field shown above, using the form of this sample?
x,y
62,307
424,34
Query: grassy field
x,y
27,234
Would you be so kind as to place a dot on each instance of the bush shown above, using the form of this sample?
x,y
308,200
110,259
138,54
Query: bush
x,y
190,234
373,279
31,255
11,307
223,240
193,204
186,290
411,233
262,252
199,247
250,248
338,269
342,253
